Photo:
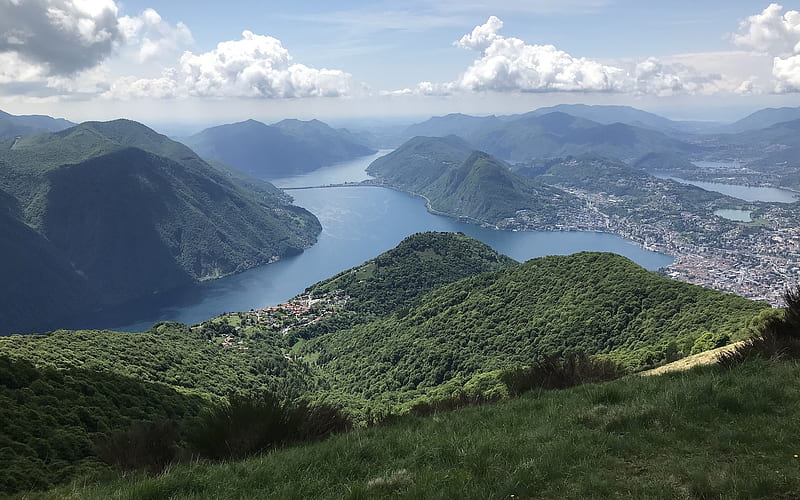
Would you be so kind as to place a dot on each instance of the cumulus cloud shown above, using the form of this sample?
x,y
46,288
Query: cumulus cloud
x,y
59,36
776,33
153,36
510,64
772,31
257,66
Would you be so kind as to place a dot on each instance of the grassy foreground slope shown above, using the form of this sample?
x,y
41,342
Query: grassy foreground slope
x,y
598,303
708,433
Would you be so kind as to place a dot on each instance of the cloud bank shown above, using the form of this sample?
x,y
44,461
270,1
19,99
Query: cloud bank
x,y
508,64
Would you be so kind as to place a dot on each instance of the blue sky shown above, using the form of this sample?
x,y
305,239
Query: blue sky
x,y
157,60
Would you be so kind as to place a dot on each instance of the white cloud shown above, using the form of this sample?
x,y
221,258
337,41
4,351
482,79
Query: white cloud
x,y
771,32
511,65
776,33
153,36
60,36
257,66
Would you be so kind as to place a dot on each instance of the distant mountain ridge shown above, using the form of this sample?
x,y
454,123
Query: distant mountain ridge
x,y
286,148
551,134
17,125
125,212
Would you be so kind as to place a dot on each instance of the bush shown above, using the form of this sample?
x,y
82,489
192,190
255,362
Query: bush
x,y
460,400
251,424
560,373
778,339
708,341
149,446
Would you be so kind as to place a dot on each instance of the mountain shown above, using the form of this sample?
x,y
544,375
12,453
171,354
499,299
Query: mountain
x,y
394,279
461,182
134,213
18,125
269,151
457,124
597,303
761,119
607,115
551,134
768,148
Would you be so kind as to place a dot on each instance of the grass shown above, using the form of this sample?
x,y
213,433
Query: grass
x,y
705,433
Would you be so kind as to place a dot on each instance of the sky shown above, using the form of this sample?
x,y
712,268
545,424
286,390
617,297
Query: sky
x,y
210,62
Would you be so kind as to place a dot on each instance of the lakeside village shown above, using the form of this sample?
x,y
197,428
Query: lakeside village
x,y
756,260
232,329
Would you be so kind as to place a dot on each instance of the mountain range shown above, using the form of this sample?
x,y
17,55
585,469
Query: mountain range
x,y
18,125
286,148
118,212
532,136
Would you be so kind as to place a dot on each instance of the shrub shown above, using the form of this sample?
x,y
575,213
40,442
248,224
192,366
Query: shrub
x,y
560,373
251,424
149,446
461,399
779,337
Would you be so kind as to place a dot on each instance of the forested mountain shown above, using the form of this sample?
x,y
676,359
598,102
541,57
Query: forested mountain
x,y
17,125
269,151
592,302
461,182
776,145
396,278
134,213
762,118
535,135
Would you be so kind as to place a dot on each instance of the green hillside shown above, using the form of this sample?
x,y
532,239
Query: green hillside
x,y
592,302
461,182
440,316
394,279
707,433
134,213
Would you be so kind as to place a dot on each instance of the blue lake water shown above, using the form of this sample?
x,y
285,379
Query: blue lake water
x,y
747,193
733,214
358,224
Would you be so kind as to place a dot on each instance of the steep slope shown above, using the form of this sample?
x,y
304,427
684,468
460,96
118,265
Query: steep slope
x,y
461,182
665,437
19,125
135,213
420,161
286,148
594,302
38,281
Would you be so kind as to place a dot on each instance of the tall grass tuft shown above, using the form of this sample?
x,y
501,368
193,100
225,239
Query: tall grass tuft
x,y
560,373
246,425
148,446
778,339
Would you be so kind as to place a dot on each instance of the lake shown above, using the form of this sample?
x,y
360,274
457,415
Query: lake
x,y
746,193
358,224
734,214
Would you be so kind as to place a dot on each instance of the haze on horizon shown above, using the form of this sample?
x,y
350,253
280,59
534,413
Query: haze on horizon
x,y
158,61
